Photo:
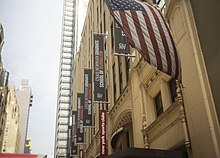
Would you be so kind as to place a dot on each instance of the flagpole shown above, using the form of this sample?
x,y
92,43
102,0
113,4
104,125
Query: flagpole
x,y
97,33
125,55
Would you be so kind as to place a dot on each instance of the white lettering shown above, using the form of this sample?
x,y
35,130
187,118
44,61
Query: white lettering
x,y
122,46
99,95
101,82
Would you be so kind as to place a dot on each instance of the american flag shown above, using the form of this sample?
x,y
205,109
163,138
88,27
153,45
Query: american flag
x,y
148,32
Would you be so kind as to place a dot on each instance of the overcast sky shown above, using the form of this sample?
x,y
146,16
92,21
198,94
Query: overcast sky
x,y
32,30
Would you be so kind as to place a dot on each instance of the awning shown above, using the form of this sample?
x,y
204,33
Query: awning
x,y
147,153
117,132
114,136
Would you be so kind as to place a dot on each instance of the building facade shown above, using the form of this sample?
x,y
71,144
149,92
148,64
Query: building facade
x,y
64,98
11,141
24,99
4,75
147,109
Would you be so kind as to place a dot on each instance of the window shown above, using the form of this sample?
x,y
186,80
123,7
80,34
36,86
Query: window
x,y
100,27
112,35
104,23
97,11
120,73
158,104
127,138
127,67
100,6
160,4
173,94
114,81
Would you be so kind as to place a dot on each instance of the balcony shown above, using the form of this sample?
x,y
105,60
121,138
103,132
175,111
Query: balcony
x,y
167,126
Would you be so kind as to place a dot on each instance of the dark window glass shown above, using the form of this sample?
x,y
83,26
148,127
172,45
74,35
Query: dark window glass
x,y
114,81
173,94
104,23
100,6
127,67
112,34
127,137
97,11
106,91
101,27
120,73
158,104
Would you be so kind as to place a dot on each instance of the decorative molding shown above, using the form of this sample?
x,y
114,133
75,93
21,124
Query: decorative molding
x,y
153,76
125,117
120,100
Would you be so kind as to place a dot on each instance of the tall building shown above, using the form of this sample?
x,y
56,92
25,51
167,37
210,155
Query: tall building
x,y
4,76
209,42
24,98
11,142
148,112
64,99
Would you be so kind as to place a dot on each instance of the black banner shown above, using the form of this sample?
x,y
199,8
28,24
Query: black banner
x,y
87,121
74,128
121,41
99,69
80,129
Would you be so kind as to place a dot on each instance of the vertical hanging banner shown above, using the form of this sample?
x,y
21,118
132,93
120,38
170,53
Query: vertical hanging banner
x,y
74,128
99,69
80,129
102,127
121,41
87,121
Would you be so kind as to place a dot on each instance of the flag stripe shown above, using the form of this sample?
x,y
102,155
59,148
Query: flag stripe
x,y
177,60
168,43
126,30
155,37
143,44
165,51
147,31
133,30
147,38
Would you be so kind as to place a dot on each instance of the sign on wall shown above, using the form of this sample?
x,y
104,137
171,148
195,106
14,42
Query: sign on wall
x,y
74,129
102,127
80,129
99,69
88,97
121,41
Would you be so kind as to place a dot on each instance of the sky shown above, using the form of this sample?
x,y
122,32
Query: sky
x,y
32,31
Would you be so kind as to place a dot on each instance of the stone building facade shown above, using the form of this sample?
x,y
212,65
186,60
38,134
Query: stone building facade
x,y
147,109
11,141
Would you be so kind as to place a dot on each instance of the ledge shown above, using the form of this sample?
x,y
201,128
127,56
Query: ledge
x,y
163,123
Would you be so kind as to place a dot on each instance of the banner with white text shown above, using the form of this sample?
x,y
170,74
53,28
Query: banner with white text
x,y
99,68
87,121
121,41
102,128
80,129
74,128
